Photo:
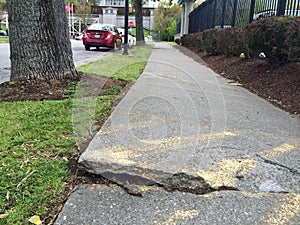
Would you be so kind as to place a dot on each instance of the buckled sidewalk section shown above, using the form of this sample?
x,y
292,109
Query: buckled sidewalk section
x,y
196,148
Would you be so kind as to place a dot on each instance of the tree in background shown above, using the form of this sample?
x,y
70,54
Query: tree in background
x,y
2,13
138,6
165,20
39,40
2,5
172,28
82,8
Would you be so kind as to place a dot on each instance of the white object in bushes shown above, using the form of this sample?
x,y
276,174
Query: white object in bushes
x,y
262,55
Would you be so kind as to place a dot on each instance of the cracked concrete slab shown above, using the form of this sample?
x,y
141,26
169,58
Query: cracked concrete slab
x,y
97,204
182,127
182,117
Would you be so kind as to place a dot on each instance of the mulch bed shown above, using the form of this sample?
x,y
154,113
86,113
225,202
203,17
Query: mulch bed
x,y
40,90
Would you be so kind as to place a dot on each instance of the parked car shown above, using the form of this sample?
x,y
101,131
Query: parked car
x,y
131,39
101,35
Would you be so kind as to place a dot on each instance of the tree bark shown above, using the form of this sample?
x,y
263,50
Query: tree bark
x,y
140,39
40,47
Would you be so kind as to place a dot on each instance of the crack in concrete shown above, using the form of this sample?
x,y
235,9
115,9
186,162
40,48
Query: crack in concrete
x,y
192,184
182,182
294,171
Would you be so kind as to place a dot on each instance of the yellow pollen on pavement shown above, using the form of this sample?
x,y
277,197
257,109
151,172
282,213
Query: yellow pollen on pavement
x,y
277,151
226,172
178,215
285,212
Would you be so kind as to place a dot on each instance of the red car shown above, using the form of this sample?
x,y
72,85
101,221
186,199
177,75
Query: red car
x,y
101,35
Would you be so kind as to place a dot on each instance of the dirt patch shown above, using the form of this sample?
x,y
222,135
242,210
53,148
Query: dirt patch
x,y
40,90
281,85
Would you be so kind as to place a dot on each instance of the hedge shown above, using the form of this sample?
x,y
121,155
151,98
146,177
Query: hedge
x,y
277,37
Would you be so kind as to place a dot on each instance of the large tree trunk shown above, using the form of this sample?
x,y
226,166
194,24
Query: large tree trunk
x,y
140,39
39,40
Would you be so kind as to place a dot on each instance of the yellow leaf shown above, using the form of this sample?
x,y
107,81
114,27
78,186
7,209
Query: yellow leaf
x,y
35,220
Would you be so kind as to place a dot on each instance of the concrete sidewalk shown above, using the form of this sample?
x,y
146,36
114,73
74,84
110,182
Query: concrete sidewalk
x,y
181,126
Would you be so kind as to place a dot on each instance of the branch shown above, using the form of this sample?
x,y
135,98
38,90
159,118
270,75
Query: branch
x,y
23,181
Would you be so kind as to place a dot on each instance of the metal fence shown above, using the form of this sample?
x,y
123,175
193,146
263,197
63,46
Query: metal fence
x,y
237,13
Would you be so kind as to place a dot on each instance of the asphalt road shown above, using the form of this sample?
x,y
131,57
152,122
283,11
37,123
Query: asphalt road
x,y
4,62
80,56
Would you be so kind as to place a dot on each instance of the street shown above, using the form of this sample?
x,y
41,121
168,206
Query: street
x,y
80,57
4,62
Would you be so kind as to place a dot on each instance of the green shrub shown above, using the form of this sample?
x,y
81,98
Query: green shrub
x,y
293,40
268,36
177,41
231,41
210,40
188,40
277,37
198,44
228,41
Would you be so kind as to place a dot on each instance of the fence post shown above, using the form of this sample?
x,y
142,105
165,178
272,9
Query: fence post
x,y
214,14
251,14
281,7
223,13
234,13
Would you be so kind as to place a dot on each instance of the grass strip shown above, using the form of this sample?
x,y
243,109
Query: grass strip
x,y
119,66
34,136
37,142
4,39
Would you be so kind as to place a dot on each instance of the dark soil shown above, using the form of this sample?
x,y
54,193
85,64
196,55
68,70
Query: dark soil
x,y
281,85
40,90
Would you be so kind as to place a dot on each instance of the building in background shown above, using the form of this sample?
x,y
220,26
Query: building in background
x,y
111,12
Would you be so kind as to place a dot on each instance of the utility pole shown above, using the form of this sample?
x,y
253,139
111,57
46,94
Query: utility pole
x,y
6,22
126,28
70,28
73,20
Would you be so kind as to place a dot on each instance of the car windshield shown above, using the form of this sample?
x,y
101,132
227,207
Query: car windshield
x,y
98,26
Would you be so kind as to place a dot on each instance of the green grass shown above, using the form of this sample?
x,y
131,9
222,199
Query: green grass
x,y
4,39
88,110
172,43
34,136
119,66
133,32
39,138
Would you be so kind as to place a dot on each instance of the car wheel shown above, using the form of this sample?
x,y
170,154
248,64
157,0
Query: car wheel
x,y
87,47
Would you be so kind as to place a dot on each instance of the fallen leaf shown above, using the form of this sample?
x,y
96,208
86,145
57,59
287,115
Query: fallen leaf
x,y
3,216
35,220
